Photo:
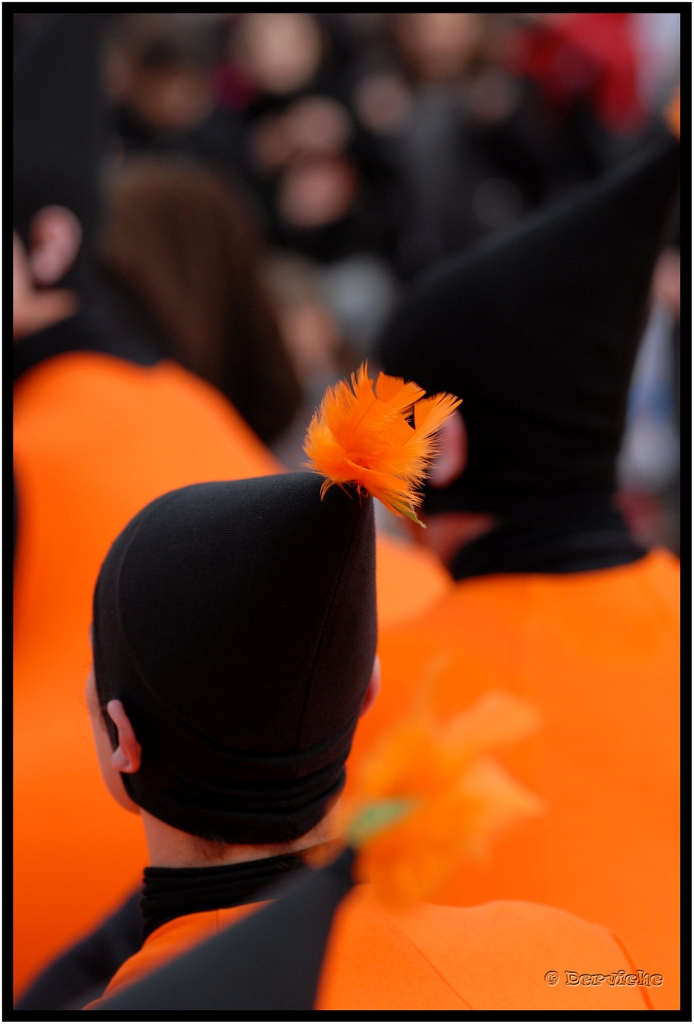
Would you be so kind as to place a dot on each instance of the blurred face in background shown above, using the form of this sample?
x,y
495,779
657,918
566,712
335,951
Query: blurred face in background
x,y
439,46
172,100
279,52
317,192
159,69
312,126
306,147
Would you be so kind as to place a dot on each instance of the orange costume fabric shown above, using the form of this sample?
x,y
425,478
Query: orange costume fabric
x,y
440,958
95,439
597,654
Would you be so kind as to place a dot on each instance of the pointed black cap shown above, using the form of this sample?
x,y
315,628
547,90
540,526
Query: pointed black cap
x,y
58,120
237,623
537,332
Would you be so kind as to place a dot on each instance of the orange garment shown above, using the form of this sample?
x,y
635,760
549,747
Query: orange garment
x,y
96,438
436,958
409,579
596,653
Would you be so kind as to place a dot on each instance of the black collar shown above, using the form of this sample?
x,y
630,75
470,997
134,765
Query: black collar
x,y
172,892
89,331
552,535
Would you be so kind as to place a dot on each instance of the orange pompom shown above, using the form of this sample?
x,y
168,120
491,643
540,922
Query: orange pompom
x,y
360,435
430,798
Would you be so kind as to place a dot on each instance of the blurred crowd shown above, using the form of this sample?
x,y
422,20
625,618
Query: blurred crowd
x,y
346,153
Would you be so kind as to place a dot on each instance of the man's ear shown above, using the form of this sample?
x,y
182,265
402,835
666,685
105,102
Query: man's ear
x,y
451,459
127,756
56,236
373,688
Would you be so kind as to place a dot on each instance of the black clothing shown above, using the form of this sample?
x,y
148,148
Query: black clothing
x,y
83,972
270,961
551,536
84,332
169,893
537,331
237,623
59,125
218,141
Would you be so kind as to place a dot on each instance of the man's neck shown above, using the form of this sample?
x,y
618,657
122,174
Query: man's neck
x,y
171,848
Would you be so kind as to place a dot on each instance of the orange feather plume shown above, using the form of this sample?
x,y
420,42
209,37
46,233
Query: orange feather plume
x,y
431,797
361,435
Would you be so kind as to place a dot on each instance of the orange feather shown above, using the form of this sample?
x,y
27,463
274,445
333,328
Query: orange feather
x,y
361,435
430,797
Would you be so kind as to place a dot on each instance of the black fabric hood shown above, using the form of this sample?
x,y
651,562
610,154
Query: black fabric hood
x,y
537,331
59,124
237,623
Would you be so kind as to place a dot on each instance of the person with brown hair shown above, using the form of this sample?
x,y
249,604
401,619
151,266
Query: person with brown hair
x,y
180,244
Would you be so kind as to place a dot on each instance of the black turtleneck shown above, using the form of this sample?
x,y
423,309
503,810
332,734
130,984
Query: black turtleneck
x,y
269,962
92,330
560,535
81,973
172,892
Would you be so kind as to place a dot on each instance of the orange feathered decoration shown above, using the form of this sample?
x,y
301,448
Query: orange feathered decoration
x,y
431,797
361,435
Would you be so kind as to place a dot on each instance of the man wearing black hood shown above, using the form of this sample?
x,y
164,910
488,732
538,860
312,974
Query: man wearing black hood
x,y
234,636
100,428
537,332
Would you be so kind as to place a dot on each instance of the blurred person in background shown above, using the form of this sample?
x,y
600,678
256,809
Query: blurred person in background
x,y
158,74
101,426
537,331
159,78
329,317
179,243
325,190
588,60
650,491
649,459
311,333
475,130
274,115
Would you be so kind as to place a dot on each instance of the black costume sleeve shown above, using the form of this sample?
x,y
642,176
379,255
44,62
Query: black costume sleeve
x,y
270,961
81,975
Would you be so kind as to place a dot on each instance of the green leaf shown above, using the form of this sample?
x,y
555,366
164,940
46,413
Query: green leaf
x,y
411,514
406,509
376,817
